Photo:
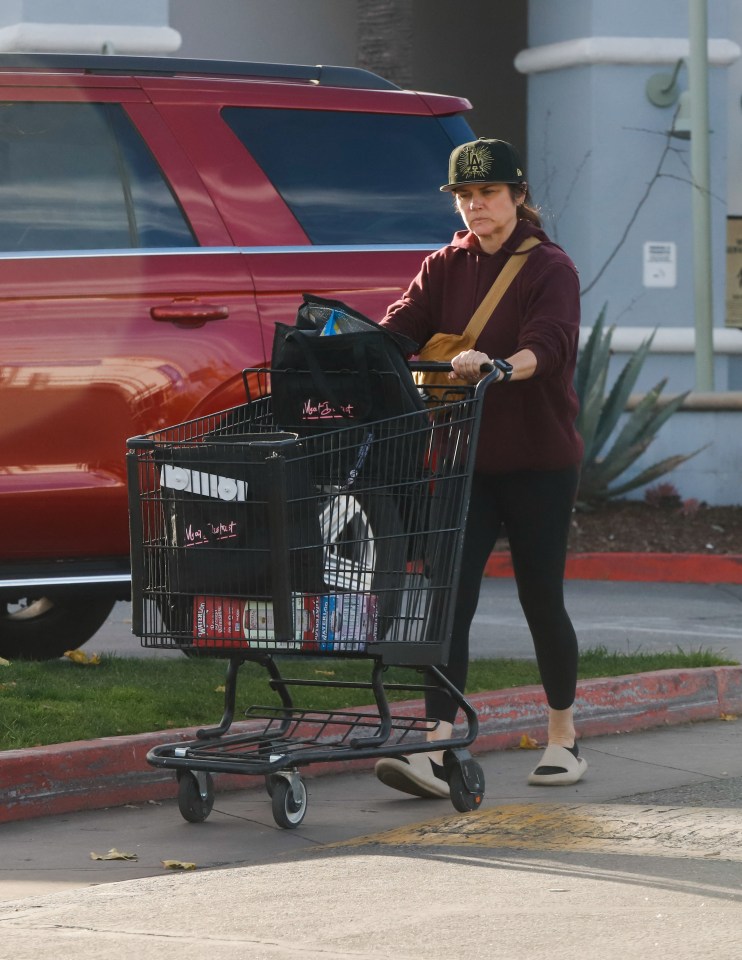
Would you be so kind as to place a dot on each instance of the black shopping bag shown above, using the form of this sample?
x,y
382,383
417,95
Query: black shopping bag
x,y
354,380
218,497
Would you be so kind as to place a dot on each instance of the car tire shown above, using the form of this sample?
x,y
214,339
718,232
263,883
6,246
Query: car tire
x,y
44,628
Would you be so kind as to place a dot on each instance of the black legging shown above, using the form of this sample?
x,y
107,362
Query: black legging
x,y
535,508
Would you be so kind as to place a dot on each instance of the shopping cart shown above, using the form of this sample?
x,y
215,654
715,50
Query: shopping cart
x,y
254,543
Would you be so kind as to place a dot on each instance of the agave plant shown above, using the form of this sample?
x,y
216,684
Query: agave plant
x,y
599,416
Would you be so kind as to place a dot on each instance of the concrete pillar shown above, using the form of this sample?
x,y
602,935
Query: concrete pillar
x,y
385,38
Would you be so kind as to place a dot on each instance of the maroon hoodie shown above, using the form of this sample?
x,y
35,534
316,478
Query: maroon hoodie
x,y
527,424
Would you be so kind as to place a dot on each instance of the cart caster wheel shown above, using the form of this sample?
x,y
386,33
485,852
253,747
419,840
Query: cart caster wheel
x,y
288,801
194,807
464,799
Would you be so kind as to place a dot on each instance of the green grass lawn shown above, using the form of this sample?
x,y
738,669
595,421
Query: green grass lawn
x,y
59,701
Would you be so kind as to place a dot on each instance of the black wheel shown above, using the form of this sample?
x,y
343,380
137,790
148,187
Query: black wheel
x,y
288,809
44,628
365,547
462,798
193,807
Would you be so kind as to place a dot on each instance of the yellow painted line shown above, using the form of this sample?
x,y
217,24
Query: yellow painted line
x,y
596,828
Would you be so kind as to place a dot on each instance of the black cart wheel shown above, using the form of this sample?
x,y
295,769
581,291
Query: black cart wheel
x,y
462,797
193,806
289,802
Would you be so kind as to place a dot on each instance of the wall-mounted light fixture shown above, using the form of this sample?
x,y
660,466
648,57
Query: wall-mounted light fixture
x,y
663,91
662,88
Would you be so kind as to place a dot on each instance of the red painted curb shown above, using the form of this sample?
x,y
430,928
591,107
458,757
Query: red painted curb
x,y
86,775
614,704
112,771
650,567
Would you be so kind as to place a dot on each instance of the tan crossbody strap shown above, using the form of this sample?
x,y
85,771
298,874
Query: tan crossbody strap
x,y
495,293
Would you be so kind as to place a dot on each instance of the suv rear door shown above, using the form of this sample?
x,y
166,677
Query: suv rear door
x,y
327,190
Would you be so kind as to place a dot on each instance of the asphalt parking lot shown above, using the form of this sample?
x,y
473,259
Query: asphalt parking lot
x,y
622,617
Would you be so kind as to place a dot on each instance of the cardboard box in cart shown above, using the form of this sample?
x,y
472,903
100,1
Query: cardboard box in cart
x,y
218,621
258,626
335,622
348,621
231,623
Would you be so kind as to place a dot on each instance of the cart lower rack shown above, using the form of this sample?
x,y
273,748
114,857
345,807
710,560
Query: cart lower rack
x,y
258,543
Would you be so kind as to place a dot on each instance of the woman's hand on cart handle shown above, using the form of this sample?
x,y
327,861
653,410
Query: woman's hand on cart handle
x,y
472,365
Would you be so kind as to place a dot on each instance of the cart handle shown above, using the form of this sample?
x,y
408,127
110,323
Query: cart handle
x,y
441,366
491,374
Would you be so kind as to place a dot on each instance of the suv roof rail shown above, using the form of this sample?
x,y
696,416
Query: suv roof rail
x,y
327,76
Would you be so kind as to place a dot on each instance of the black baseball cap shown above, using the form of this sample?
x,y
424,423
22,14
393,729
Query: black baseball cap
x,y
484,161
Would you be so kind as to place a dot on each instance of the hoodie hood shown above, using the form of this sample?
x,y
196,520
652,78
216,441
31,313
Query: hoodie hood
x,y
468,241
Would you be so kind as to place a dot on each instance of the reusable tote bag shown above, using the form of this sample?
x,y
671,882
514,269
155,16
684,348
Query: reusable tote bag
x,y
217,497
351,378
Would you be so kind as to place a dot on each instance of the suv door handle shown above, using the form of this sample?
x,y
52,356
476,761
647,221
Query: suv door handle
x,y
189,312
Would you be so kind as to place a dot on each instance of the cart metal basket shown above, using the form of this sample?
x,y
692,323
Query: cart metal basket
x,y
251,541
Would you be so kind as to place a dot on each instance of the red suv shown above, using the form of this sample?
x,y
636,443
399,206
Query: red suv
x,y
157,216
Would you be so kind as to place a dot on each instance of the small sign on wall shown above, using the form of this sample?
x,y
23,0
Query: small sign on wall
x,y
660,264
734,272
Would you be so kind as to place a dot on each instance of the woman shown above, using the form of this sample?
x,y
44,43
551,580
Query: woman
x,y
527,465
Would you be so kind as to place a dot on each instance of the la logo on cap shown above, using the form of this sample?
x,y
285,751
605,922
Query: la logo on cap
x,y
475,162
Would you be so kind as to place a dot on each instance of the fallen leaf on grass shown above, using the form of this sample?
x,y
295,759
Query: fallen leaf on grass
x,y
728,716
527,743
77,656
221,689
114,854
177,865
325,673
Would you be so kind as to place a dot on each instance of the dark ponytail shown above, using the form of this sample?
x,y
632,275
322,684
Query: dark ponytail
x,y
525,210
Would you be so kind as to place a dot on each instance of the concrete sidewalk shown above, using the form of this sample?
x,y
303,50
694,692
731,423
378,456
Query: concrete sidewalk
x,y
641,858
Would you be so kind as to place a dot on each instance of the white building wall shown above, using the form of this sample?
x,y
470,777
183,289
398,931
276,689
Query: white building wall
x,y
599,157
610,180
87,26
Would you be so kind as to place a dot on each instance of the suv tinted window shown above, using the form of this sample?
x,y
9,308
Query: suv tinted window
x,y
356,177
77,176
